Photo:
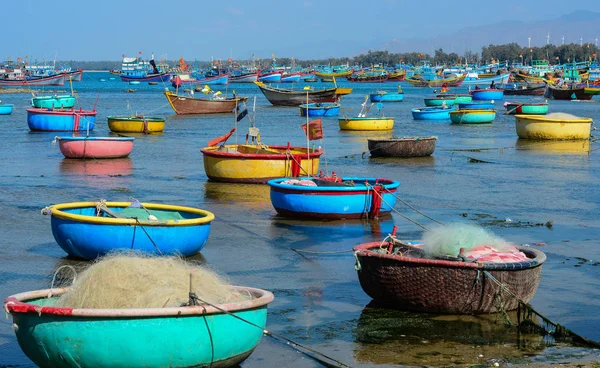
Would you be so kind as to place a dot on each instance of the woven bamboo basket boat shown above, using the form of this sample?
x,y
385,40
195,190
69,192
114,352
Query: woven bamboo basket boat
x,y
403,279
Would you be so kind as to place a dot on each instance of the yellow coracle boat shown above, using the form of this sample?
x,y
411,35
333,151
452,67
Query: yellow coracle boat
x,y
258,163
136,124
343,91
367,123
553,126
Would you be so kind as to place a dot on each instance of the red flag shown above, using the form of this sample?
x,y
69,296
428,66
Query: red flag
x,y
220,139
314,131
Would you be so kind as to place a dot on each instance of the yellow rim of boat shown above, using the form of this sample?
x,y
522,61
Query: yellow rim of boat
x,y
58,213
544,119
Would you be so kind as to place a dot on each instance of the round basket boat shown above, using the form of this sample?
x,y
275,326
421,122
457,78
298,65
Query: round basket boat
x,y
91,229
192,336
553,126
444,286
402,147
136,124
95,147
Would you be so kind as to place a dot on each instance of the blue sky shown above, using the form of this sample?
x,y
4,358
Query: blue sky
x,y
104,30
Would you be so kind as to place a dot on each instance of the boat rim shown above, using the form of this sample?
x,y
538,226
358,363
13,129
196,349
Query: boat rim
x,y
387,185
367,118
431,137
56,210
545,119
135,118
228,99
365,250
18,304
469,111
94,138
70,111
211,152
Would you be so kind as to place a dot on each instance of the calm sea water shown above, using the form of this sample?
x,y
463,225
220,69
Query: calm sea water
x,y
319,301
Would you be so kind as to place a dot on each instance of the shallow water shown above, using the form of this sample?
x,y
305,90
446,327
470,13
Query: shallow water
x,y
319,301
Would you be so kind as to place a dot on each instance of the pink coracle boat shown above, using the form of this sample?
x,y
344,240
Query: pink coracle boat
x,y
95,147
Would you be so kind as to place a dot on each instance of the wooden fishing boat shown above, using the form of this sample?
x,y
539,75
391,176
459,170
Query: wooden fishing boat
x,y
487,94
350,197
54,102
552,126
332,74
249,163
567,93
473,116
397,76
394,273
531,79
197,105
432,113
449,82
525,90
60,120
290,77
54,80
74,75
320,109
384,96
310,79
146,77
136,124
88,230
540,108
187,80
95,147
270,77
160,337
366,123
367,77
244,78
342,91
440,101
484,79
402,147
6,109
478,105
417,81
592,90
289,97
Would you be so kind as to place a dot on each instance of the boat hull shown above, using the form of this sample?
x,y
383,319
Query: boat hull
x,y
402,147
254,164
291,78
247,78
133,124
498,79
320,109
83,235
527,108
55,80
333,202
189,105
366,124
6,109
439,101
95,147
282,97
161,77
53,102
477,105
198,336
541,128
219,79
60,121
487,94
270,77
568,94
472,116
452,287
431,113
386,97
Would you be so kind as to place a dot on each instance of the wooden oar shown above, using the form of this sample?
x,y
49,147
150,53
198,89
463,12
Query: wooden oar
x,y
508,112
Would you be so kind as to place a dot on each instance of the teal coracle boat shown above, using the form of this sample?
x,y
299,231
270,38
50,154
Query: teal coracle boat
x,y
439,101
472,116
191,336
53,102
383,96
6,109
526,108
457,98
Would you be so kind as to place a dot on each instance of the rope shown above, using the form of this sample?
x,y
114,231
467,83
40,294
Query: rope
x,y
393,209
148,235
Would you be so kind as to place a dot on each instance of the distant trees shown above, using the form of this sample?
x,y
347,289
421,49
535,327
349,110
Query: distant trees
x,y
513,52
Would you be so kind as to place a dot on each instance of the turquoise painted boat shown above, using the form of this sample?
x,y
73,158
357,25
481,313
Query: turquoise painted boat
x,y
463,99
53,102
6,109
440,101
472,116
432,113
193,336
526,108
477,105
383,96
487,94
320,109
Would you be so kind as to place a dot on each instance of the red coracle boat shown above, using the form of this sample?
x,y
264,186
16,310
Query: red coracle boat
x,y
397,274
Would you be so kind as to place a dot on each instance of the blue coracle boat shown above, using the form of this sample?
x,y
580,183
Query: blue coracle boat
x,y
477,105
320,109
432,113
60,120
91,229
488,94
6,109
383,96
353,197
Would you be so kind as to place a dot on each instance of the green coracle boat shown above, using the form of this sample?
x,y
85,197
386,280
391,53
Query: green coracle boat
x,y
196,336
54,102
526,108
440,101
473,116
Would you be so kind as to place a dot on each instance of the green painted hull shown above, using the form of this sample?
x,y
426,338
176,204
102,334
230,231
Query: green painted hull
x,y
527,109
463,99
438,102
472,118
167,341
56,102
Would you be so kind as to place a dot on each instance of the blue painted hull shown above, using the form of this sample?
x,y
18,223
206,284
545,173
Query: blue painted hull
x,y
51,121
90,240
431,113
386,97
331,202
487,95
290,79
164,77
275,78
477,105
320,109
6,109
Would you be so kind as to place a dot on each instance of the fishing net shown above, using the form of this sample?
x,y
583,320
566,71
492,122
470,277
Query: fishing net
x,y
142,281
562,116
442,241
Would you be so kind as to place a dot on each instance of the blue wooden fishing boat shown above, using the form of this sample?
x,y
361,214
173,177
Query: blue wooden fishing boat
x,y
487,94
91,229
291,77
472,116
474,79
138,70
320,109
187,336
432,113
270,76
383,96
54,102
440,100
6,109
46,120
344,198
477,105
199,78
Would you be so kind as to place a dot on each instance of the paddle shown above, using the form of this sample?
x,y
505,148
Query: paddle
x,y
508,112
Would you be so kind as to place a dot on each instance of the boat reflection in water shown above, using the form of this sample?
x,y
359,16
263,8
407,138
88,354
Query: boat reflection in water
x,y
573,147
247,195
112,167
387,336
336,232
401,161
